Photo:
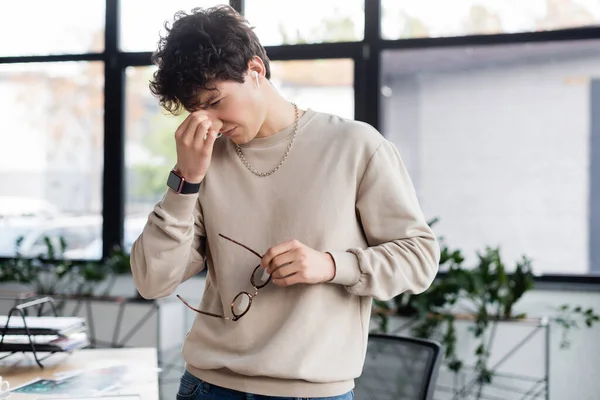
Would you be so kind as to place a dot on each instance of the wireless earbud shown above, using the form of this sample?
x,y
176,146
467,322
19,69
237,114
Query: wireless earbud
x,y
255,74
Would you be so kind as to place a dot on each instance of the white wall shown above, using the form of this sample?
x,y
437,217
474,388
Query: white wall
x,y
501,155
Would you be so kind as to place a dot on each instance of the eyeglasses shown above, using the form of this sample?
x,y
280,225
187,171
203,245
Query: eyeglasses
x,y
243,301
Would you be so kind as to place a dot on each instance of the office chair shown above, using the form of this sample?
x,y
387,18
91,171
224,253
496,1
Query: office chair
x,y
399,368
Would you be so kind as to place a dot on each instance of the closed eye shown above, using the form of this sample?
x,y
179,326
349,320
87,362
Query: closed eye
x,y
215,103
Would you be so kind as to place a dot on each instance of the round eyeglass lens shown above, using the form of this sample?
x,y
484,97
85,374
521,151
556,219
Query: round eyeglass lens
x,y
240,304
260,277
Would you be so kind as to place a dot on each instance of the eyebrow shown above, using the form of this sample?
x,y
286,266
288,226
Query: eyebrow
x,y
214,94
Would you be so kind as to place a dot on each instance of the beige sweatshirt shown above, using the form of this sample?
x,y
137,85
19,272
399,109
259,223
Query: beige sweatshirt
x,y
344,190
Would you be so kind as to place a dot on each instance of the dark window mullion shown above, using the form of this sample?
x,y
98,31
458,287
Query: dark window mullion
x,y
52,58
113,199
315,51
139,59
494,39
237,5
369,77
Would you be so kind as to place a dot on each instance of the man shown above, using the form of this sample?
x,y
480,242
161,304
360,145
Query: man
x,y
301,217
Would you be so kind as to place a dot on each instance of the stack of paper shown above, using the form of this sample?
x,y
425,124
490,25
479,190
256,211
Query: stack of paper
x,y
47,333
46,342
62,326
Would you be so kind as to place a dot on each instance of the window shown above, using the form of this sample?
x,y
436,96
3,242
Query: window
x,y
51,149
497,141
311,21
39,27
80,235
143,22
502,141
149,151
434,18
323,85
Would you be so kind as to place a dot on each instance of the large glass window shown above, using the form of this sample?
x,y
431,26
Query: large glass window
x,y
310,21
150,150
143,22
434,18
51,155
323,85
501,141
40,27
497,141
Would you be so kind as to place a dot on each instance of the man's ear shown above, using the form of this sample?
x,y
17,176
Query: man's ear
x,y
256,64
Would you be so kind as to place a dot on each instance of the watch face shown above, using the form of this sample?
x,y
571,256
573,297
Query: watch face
x,y
174,181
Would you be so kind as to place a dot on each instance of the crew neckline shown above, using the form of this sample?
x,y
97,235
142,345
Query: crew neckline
x,y
282,134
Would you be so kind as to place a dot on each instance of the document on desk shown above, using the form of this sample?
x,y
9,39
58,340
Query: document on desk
x,y
93,382
114,397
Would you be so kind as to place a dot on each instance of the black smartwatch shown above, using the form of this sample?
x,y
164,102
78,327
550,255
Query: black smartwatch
x,y
178,184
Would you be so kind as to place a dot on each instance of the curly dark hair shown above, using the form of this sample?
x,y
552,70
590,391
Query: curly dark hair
x,y
207,45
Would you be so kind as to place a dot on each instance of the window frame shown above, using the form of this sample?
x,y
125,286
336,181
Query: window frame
x,y
366,55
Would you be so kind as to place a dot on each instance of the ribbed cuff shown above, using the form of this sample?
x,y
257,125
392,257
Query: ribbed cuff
x,y
180,206
347,272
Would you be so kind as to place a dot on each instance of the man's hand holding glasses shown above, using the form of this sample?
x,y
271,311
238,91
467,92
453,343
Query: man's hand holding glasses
x,y
293,262
285,264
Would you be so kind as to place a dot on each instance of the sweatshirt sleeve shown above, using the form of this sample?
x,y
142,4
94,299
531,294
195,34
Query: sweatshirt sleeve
x,y
403,254
171,247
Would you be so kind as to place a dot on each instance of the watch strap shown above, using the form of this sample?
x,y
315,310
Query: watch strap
x,y
182,186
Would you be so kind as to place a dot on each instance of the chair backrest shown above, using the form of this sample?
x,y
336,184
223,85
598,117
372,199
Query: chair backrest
x,y
399,368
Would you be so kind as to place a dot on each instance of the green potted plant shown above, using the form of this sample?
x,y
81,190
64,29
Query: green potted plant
x,y
484,293
51,273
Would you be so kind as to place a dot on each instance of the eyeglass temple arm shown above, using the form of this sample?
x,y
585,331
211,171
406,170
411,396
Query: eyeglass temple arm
x,y
243,245
199,311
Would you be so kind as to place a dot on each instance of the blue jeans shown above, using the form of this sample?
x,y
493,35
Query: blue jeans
x,y
192,388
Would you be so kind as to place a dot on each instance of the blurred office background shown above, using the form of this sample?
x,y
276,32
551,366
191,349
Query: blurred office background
x,y
493,104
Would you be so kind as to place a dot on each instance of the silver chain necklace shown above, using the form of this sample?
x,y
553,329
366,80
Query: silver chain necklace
x,y
238,150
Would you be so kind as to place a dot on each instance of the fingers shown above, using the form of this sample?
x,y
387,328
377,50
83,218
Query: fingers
x,y
294,279
194,140
200,134
196,124
191,122
183,126
281,264
277,250
207,147
286,271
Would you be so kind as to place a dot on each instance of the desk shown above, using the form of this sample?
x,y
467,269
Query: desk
x,y
21,368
